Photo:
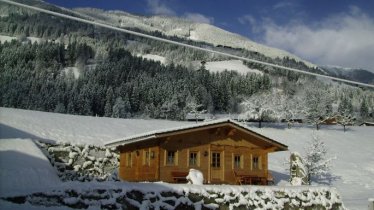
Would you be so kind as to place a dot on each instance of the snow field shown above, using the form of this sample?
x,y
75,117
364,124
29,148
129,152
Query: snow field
x,y
236,65
153,57
16,123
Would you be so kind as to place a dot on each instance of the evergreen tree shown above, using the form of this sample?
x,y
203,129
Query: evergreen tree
x,y
316,159
364,109
109,102
119,110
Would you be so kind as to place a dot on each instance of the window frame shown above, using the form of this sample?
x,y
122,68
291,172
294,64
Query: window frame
x,y
146,157
216,160
197,159
256,165
237,164
175,158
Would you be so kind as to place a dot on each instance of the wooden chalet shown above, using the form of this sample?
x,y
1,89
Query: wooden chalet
x,y
223,150
367,124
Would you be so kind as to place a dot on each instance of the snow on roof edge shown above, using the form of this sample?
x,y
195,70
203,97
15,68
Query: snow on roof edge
x,y
147,135
153,134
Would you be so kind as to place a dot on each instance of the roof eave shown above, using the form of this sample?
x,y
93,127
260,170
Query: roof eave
x,y
129,141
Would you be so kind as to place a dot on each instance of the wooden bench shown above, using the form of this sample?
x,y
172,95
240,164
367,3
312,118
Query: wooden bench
x,y
179,176
246,178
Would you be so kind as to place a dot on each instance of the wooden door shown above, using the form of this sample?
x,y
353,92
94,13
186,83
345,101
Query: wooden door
x,y
216,166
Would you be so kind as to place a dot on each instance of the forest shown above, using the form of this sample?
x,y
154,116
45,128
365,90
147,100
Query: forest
x,y
32,77
114,82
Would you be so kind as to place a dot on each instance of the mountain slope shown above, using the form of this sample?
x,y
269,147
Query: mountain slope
x,y
173,26
360,75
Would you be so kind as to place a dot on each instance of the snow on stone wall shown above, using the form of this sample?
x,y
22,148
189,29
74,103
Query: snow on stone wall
x,y
82,162
119,195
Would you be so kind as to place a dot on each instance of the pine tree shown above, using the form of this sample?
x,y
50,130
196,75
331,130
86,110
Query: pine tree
x,y
319,106
364,109
316,159
108,102
119,108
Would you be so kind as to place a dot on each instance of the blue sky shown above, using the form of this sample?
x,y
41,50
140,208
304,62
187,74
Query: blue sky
x,y
327,32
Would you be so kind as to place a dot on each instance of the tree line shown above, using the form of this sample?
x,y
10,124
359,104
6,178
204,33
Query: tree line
x,y
33,76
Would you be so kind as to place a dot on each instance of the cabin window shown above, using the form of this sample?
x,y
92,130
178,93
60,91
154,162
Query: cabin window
x,y
146,157
237,161
193,159
256,162
170,158
129,160
216,159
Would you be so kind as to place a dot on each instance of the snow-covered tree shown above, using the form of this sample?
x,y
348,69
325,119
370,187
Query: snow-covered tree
x,y
291,108
345,119
345,110
261,107
319,106
195,109
316,159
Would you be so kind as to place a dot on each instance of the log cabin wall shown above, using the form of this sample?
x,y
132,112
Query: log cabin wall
x,y
234,149
139,162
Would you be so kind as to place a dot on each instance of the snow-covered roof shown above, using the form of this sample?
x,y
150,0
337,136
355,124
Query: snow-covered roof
x,y
158,133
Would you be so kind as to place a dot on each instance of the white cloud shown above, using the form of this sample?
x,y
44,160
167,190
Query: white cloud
x,y
345,39
196,17
251,21
282,5
158,8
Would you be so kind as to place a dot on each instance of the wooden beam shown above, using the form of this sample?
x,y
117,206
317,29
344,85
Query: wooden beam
x,y
270,149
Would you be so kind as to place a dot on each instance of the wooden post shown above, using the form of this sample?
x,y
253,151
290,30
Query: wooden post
x,y
209,166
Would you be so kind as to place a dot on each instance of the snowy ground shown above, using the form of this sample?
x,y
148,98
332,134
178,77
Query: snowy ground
x,y
236,65
352,172
24,168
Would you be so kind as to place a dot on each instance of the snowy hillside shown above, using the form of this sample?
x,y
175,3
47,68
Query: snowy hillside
x,y
174,26
352,170
236,65
360,75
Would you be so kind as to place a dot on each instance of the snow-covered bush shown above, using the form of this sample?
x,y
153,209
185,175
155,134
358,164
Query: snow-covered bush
x,y
195,177
82,162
